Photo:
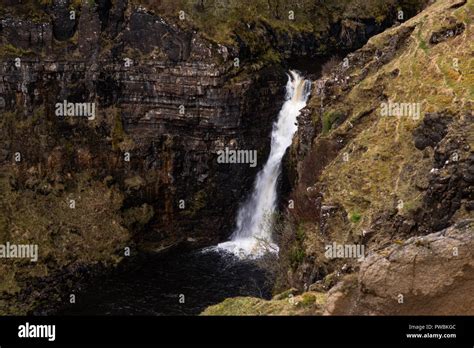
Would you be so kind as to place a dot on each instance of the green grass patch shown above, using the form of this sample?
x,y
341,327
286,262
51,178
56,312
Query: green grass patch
x,y
355,217
330,119
296,256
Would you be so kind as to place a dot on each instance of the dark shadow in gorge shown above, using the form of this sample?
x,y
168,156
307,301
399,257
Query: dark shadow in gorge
x,y
154,284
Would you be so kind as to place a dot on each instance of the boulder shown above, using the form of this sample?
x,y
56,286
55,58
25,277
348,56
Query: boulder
x,y
426,275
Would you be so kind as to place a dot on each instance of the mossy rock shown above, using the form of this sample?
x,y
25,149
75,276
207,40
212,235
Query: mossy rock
x,y
332,119
286,294
137,217
135,183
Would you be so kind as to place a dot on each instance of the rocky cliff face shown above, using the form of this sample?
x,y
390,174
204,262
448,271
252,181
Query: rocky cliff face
x,y
167,105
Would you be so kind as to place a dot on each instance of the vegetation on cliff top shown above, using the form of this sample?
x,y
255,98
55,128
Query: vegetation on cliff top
x,y
249,23
219,18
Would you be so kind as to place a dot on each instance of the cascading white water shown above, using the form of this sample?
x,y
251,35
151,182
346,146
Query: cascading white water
x,y
253,234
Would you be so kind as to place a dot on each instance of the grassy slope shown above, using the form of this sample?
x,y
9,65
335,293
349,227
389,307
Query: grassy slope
x,y
90,234
35,209
384,166
283,304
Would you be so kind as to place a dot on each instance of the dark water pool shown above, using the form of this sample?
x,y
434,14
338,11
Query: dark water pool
x,y
160,284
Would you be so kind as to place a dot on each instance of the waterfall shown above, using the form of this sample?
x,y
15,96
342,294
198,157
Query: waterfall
x,y
253,234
